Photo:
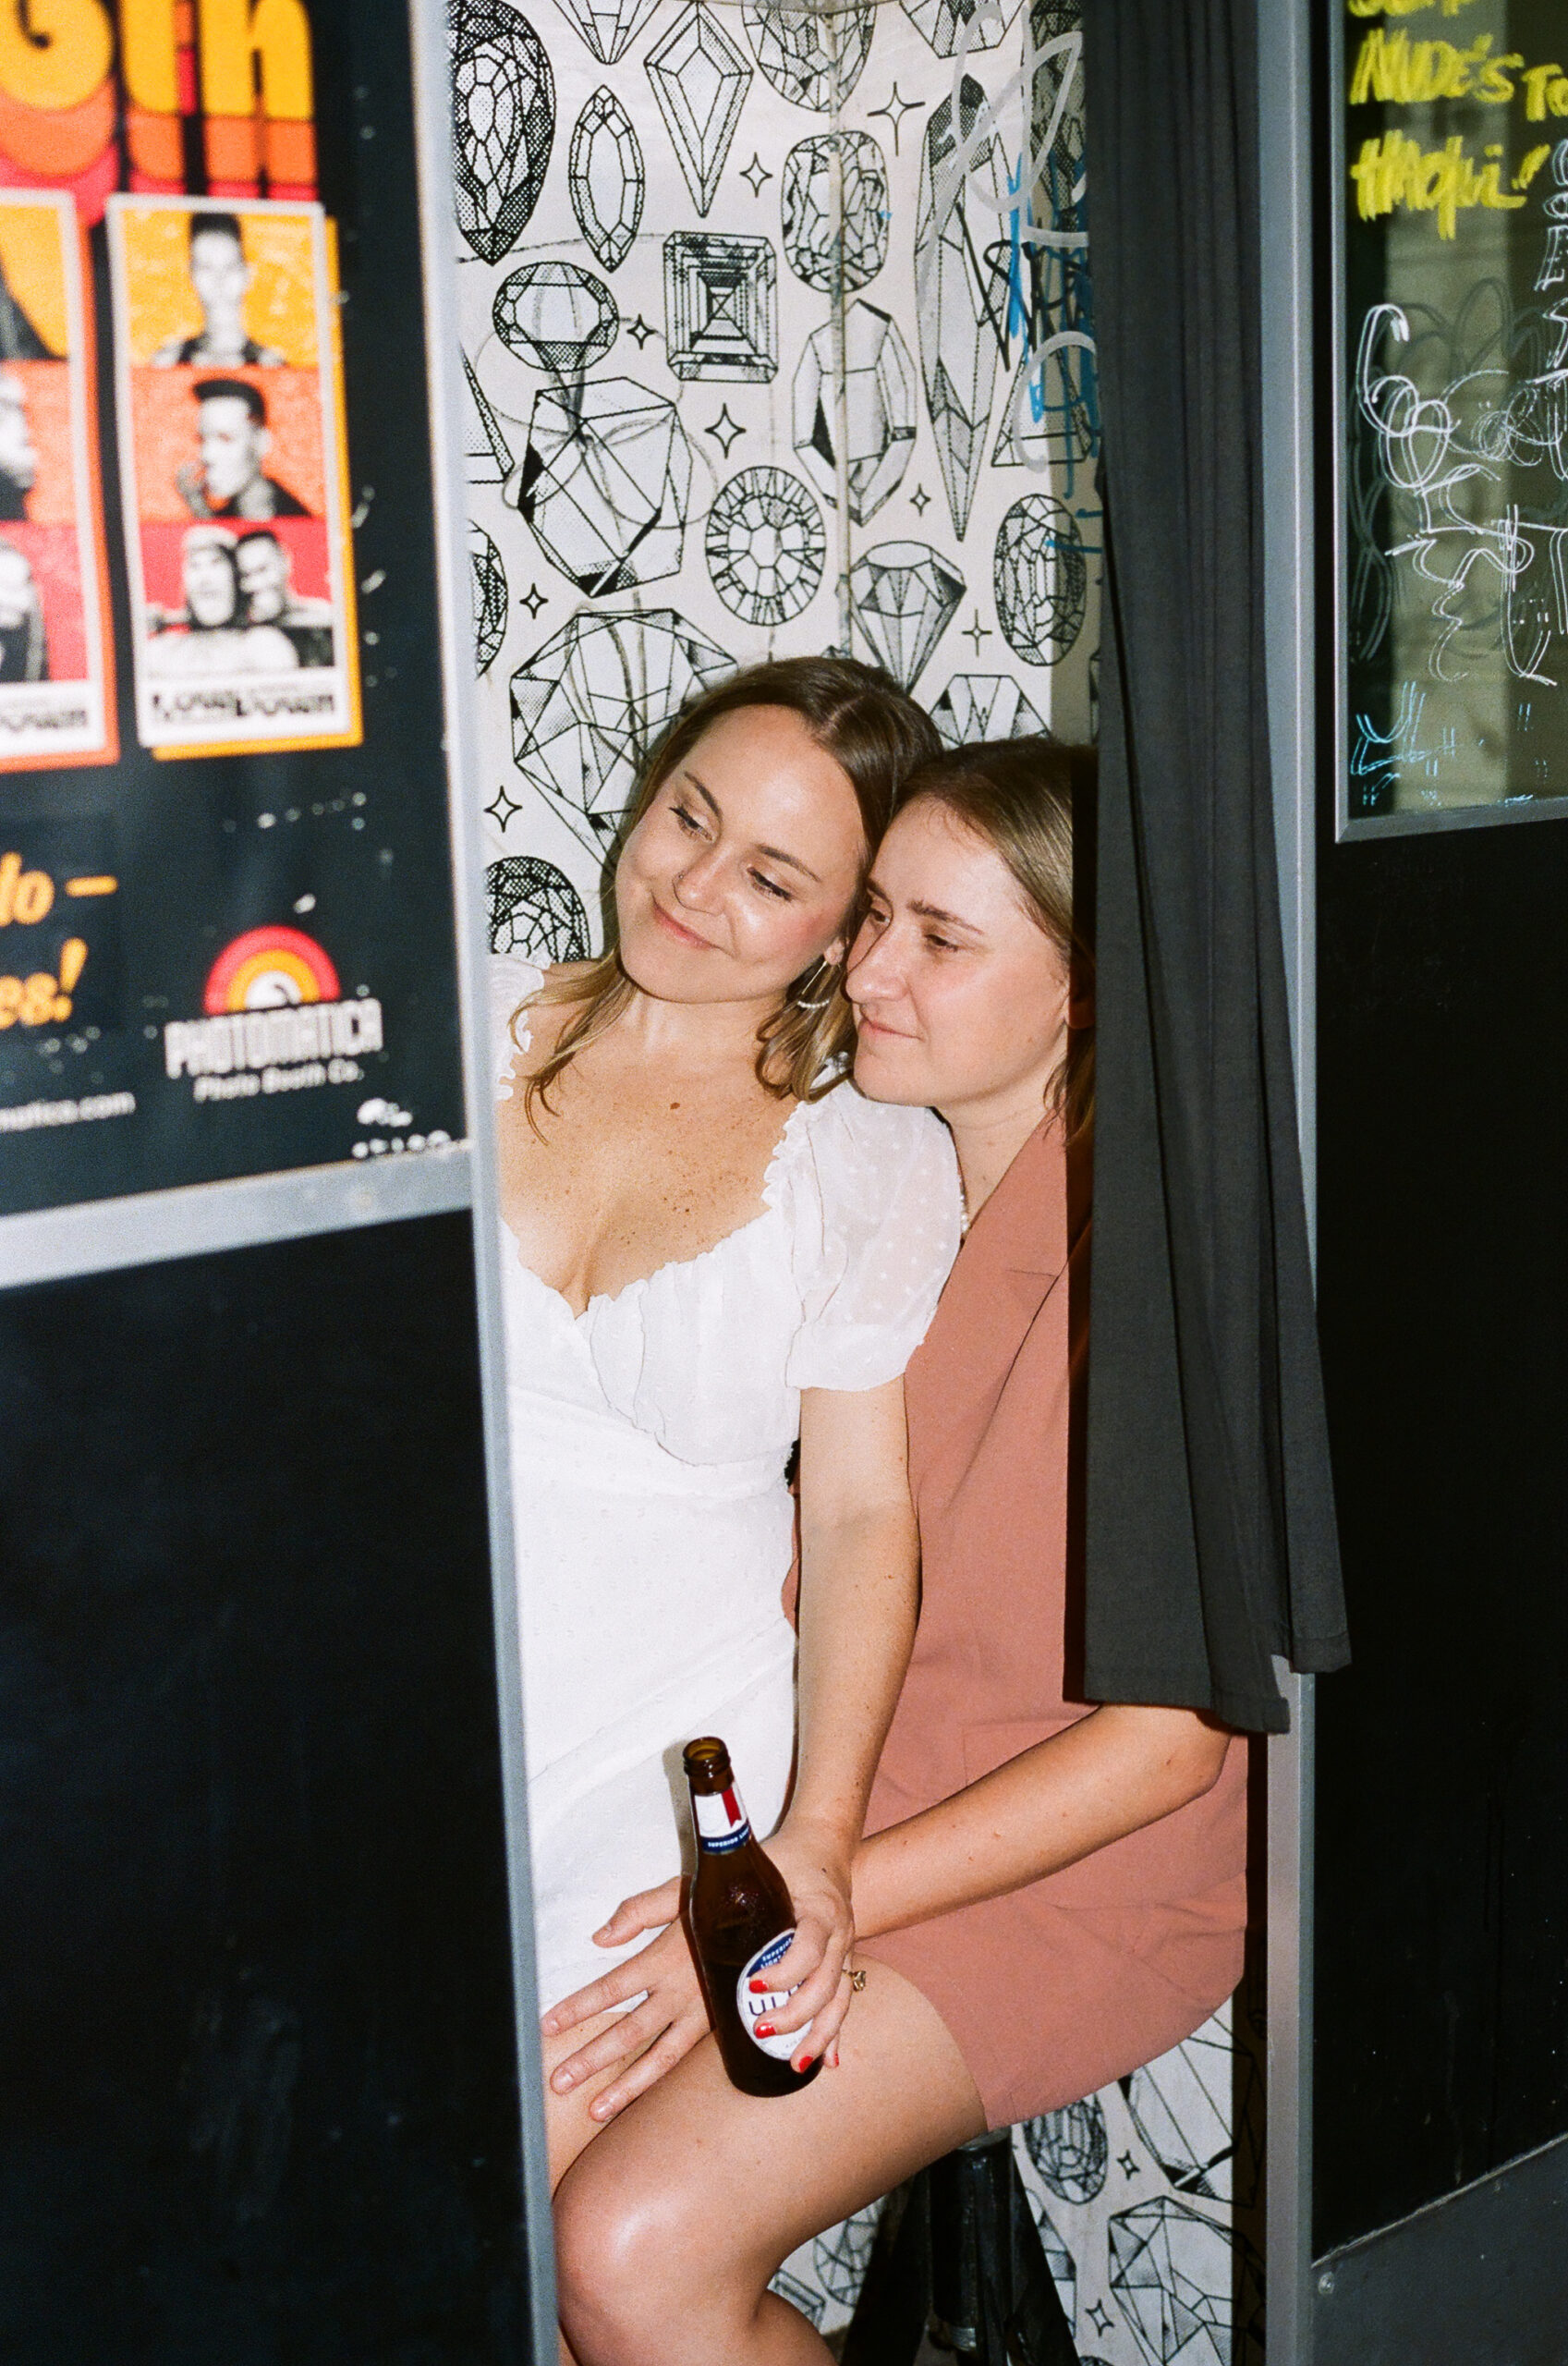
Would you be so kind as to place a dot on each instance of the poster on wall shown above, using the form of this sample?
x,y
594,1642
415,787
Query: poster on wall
x,y
56,696
225,919
231,436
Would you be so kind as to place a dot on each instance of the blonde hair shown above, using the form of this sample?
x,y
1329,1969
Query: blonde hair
x,y
877,737
1032,800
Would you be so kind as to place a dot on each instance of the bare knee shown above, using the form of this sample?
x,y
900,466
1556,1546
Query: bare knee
x,y
623,2254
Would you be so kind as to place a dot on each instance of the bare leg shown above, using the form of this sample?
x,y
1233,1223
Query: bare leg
x,y
669,2228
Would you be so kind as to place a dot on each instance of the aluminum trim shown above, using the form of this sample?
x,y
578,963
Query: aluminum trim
x,y
437,231
198,1219
1290,622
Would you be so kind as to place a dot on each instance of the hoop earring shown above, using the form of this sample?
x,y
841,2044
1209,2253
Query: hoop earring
x,y
805,997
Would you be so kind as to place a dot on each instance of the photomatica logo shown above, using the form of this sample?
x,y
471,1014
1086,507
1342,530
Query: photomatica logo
x,y
277,1021
268,968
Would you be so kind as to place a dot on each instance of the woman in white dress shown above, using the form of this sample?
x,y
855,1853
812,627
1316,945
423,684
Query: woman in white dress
x,y
716,1251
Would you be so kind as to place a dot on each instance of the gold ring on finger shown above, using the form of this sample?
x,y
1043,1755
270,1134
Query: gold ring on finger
x,y
857,1980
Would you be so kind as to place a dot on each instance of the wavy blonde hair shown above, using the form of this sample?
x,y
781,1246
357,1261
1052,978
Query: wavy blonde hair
x,y
1033,802
877,737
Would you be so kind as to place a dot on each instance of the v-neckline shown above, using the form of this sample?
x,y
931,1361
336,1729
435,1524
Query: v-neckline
x,y
671,1264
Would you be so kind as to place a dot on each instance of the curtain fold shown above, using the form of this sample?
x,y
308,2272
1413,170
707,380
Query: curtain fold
x,y
1210,1529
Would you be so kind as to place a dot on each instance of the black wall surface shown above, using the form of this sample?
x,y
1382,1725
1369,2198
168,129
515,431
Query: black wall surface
x,y
1443,1754
260,2094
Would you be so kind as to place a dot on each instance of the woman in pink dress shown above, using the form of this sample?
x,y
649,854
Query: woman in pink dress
x,y
1052,1893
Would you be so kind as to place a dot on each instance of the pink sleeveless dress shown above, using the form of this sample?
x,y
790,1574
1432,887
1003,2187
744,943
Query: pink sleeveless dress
x,y
1069,1983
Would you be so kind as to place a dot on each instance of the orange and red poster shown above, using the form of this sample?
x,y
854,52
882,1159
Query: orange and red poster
x,y
229,415
57,700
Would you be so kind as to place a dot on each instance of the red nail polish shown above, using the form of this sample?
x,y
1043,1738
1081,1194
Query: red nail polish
x,y
758,1988
763,2029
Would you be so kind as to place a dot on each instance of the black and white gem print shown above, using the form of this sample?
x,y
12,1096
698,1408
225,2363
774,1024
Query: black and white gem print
x,y
903,596
606,483
960,287
610,27
980,24
557,316
766,545
535,910
827,249
984,706
700,79
487,457
1041,579
877,414
721,305
502,122
487,586
605,178
590,704
814,56
1069,2149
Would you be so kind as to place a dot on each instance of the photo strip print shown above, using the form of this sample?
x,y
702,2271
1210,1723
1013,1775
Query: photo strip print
x,y
57,697
234,477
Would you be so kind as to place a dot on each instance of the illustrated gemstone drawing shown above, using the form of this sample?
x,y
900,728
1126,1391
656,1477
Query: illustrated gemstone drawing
x,y
984,21
1069,2148
610,27
816,248
812,56
1184,2106
721,305
502,122
605,481
588,706
1042,579
487,585
557,316
879,408
605,178
903,596
841,2256
766,545
1172,2271
984,706
486,457
960,290
535,910
700,79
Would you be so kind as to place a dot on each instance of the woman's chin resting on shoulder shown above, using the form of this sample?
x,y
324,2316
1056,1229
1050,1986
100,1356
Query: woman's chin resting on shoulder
x,y
1050,1894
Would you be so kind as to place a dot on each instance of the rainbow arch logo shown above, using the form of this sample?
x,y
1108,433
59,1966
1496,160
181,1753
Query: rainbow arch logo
x,y
268,968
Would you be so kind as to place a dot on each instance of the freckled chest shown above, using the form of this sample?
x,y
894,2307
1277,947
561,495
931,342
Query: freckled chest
x,y
639,1167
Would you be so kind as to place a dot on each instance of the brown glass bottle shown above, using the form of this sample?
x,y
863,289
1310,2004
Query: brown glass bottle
x,y
738,1904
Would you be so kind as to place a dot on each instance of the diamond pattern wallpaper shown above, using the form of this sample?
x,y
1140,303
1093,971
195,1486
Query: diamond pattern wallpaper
x,y
777,336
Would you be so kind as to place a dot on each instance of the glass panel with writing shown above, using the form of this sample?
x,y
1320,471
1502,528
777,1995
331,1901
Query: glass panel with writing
x,y
1455,483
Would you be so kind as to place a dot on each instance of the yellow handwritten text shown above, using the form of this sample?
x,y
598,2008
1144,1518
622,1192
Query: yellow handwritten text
x,y
1396,71
1405,8
1395,171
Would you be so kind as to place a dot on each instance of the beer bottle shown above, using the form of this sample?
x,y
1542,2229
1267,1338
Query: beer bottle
x,y
741,1923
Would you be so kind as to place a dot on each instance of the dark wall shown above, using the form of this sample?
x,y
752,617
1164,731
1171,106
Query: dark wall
x,y
1442,1784
261,2099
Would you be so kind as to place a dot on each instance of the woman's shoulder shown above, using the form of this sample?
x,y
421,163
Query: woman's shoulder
x,y
868,1155
879,1130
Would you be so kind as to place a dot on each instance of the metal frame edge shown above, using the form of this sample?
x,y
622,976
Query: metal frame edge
x,y
199,1219
1286,192
437,231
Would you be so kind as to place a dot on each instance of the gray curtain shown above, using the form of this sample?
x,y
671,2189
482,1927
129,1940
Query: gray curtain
x,y
1210,1530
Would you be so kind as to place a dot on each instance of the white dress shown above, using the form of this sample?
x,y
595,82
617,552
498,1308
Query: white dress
x,y
654,1529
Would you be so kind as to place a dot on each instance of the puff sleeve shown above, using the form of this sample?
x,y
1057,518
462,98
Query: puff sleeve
x,y
878,1214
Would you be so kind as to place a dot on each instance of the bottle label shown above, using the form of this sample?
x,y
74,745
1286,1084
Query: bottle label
x,y
755,2004
721,1821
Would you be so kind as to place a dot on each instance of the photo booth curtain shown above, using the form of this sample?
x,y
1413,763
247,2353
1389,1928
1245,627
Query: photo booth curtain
x,y
1210,1529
